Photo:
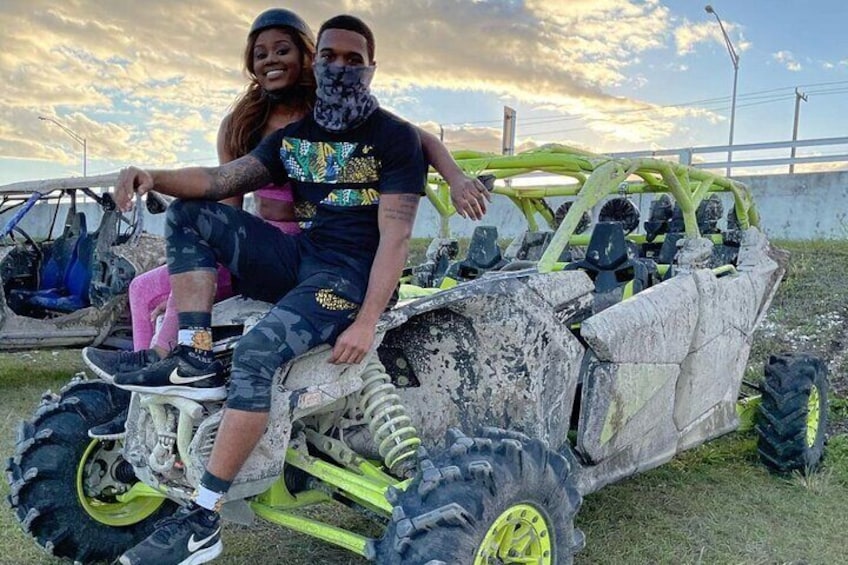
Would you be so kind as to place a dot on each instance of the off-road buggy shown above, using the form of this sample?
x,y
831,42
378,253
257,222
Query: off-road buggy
x,y
488,408
67,256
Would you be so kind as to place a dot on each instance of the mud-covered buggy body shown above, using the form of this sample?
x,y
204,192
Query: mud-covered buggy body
x,y
568,365
67,257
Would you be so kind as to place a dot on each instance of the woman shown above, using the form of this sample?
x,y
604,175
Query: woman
x,y
278,62
281,89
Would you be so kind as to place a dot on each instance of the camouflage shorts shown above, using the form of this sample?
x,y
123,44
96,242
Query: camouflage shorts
x,y
317,291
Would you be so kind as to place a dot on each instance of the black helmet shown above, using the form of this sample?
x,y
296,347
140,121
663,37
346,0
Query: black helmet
x,y
279,17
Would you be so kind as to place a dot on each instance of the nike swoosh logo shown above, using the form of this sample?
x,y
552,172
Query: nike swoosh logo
x,y
195,545
176,379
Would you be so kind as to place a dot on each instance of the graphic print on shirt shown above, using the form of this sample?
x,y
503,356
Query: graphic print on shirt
x,y
328,162
332,163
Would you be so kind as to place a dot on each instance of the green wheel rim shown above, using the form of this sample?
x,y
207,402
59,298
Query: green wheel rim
x,y
112,513
813,417
519,535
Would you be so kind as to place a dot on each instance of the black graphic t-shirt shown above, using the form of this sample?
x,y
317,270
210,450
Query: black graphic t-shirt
x,y
338,177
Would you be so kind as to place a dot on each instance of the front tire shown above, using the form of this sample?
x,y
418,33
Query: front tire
x,y
64,485
502,498
793,414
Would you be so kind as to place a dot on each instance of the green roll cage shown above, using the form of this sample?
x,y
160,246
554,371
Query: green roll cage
x,y
591,178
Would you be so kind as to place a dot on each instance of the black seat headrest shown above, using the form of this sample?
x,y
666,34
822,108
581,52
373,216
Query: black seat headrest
x,y
607,247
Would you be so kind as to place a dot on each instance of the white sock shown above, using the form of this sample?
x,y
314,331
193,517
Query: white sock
x,y
198,338
208,499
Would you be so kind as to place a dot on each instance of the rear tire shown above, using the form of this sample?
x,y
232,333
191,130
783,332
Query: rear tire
x,y
64,484
502,498
792,419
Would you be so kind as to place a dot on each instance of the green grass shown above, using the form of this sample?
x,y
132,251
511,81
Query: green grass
x,y
713,504
716,504
810,299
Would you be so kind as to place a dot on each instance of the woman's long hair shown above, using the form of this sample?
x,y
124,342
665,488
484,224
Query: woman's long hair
x,y
252,108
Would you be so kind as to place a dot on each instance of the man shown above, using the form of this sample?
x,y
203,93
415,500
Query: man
x,y
363,170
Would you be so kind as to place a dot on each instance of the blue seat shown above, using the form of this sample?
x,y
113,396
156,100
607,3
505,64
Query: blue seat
x,y
70,292
56,263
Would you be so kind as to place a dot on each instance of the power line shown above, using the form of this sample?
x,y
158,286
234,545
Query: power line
x,y
551,132
756,95
754,100
806,86
828,92
764,102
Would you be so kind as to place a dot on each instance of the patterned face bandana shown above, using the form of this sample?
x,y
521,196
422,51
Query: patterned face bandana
x,y
344,99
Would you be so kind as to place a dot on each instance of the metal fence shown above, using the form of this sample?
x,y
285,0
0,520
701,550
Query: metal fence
x,y
773,154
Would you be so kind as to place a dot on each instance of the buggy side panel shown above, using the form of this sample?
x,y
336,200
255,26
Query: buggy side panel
x,y
655,326
625,405
626,421
496,352
669,364
730,309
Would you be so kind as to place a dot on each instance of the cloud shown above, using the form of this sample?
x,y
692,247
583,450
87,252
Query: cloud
x,y
688,35
787,59
109,78
149,81
533,50
485,139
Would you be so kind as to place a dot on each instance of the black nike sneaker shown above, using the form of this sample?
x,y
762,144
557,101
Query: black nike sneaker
x,y
190,537
182,373
106,363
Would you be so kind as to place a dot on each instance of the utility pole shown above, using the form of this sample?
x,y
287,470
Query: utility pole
x,y
798,97
508,146
441,133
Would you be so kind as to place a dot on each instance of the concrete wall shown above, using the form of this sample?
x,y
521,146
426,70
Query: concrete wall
x,y
803,205
799,206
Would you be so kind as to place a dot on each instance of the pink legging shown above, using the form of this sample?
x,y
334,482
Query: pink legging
x,y
147,292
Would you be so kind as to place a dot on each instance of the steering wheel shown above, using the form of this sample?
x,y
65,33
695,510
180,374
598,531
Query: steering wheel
x,y
29,240
133,219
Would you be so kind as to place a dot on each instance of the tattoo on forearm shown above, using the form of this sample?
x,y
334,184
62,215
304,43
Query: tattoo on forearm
x,y
237,177
404,209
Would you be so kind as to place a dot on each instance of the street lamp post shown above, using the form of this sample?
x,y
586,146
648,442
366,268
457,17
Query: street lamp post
x,y
76,137
734,58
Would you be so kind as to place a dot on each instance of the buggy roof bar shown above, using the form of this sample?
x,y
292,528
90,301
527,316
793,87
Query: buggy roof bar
x,y
590,178
46,186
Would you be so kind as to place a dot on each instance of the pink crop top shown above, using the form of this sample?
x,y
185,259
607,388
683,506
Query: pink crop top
x,y
274,192
282,194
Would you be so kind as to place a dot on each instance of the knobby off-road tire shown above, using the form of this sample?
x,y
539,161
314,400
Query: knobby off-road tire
x,y
498,499
793,414
63,483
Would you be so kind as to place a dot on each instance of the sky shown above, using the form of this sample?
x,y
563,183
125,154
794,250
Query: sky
x,y
147,83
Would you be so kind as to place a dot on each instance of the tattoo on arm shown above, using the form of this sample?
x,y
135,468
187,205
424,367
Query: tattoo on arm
x,y
404,209
237,177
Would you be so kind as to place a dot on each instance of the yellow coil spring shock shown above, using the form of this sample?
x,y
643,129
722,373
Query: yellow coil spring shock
x,y
391,428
